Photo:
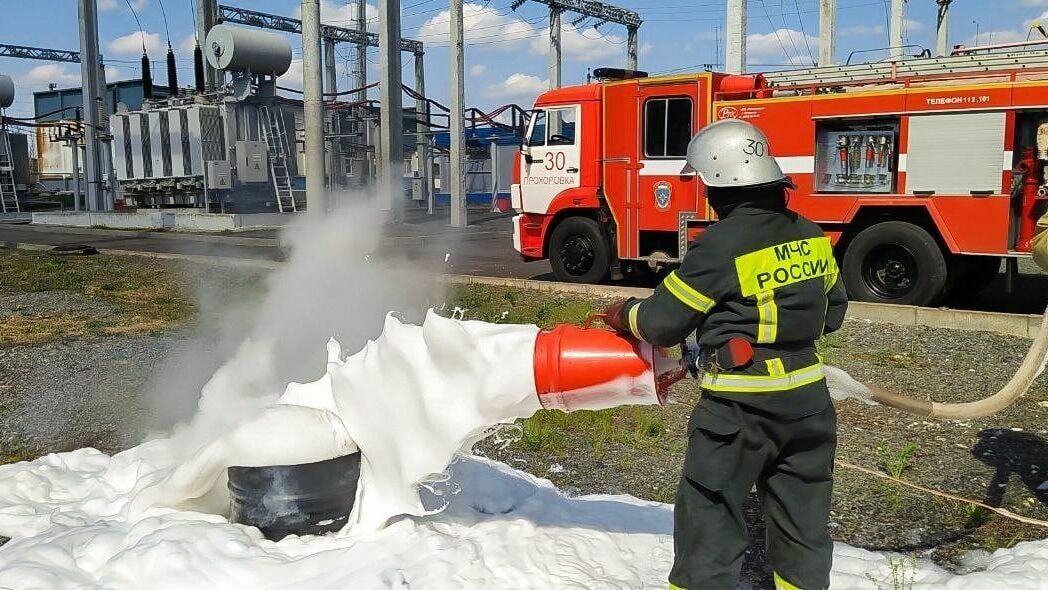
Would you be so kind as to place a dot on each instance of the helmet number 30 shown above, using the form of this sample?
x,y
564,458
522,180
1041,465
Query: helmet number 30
x,y
755,148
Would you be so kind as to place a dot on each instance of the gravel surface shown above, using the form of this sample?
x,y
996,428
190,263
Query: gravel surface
x,y
87,392
49,303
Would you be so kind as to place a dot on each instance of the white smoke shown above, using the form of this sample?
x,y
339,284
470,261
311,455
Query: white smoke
x,y
247,351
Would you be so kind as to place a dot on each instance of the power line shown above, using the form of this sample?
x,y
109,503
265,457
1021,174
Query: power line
x,y
775,31
800,20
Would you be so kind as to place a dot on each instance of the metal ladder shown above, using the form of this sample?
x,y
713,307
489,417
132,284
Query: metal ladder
x,y
909,68
8,190
276,143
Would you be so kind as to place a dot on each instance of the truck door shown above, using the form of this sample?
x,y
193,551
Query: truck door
x,y
550,164
670,114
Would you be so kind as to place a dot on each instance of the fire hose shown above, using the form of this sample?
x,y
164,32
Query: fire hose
x,y
1032,366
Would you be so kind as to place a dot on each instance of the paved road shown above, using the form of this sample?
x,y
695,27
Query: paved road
x,y
485,249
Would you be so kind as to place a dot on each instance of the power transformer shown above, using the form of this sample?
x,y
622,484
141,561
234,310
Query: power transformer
x,y
159,154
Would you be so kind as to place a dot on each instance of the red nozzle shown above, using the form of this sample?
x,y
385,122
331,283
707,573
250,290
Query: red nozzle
x,y
591,368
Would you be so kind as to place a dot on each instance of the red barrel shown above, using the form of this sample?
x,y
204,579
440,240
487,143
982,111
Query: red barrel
x,y
742,86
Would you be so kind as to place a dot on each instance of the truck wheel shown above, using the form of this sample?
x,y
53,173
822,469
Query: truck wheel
x,y
579,251
895,262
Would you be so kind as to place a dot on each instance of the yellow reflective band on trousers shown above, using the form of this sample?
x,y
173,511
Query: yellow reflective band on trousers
x,y
631,319
785,264
674,587
768,318
726,383
781,584
687,295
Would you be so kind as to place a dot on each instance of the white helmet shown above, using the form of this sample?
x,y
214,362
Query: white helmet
x,y
733,154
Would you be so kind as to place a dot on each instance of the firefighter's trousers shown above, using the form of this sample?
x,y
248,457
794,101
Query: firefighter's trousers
x,y
731,448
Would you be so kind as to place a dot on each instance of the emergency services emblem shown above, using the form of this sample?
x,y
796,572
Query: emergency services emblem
x,y
663,191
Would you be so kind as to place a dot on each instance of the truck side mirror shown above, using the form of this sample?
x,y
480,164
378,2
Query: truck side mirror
x,y
525,150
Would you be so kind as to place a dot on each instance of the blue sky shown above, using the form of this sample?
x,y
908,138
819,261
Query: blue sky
x,y
506,54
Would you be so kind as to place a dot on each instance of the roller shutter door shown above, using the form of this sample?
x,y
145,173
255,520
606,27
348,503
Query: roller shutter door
x,y
956,154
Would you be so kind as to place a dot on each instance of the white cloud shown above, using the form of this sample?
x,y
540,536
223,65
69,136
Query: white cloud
x,y
132,44
518,88
113,74
111,4
995,37
477,70
61,74
777,46
581,44
913,25
864,30
645,48
481,24
1034,2
292,78
187,44
342,14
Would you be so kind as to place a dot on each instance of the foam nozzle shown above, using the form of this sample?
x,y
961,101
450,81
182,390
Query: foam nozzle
x,y
595,369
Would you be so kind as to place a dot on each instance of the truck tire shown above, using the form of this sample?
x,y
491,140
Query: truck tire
x,y
895,262
579,251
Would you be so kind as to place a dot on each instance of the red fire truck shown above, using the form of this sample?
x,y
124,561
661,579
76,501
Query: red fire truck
x,y
925,173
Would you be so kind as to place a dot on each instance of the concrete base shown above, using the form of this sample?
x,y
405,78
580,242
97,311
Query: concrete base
x,y
184,220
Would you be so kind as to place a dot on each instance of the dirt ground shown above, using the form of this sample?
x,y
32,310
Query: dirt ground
x,y
80,384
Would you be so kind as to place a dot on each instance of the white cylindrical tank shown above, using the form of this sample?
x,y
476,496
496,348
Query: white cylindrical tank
x,y
238,49
7,91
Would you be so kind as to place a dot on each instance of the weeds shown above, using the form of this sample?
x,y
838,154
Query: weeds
x,y
650,427
895,462
975,516
902,574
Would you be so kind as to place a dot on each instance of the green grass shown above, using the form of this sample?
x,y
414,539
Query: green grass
x,y
149,295
515,306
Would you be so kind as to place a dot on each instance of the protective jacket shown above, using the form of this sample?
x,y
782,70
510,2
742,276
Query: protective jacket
x,y
767,275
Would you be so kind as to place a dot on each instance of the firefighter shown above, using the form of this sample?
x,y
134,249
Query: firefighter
x,y
758,287
1039,245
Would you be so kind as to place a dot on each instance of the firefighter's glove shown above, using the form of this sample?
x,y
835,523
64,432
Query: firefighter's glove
x,y
615,316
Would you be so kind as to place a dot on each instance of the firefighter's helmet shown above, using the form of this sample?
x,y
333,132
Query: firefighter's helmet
x,y
733,154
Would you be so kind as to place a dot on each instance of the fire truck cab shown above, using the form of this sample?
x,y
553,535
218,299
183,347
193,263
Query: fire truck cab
x,y
924,173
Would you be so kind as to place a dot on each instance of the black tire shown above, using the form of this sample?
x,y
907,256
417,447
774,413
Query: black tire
x,y
895,262
579,251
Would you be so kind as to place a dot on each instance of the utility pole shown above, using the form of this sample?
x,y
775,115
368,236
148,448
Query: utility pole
x,y
555,13
735,53
106,144
207,17
942,28
89,76
362,50
391,120
631,47
421,133
363,167
313,107
898,23
458,121
331,88
827,32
